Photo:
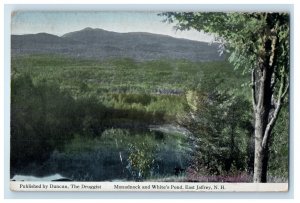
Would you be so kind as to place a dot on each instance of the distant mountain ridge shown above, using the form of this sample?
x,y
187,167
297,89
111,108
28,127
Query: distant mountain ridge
x,y
102,44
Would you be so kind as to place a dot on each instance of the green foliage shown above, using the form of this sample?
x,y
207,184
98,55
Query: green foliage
x,y
257,43
40,119
154,87
219,124
279,150
79,107
141,160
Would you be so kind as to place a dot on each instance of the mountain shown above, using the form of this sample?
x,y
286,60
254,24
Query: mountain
x,y
102,44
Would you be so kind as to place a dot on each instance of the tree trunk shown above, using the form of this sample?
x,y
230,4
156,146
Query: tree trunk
x,y
260,166
261,156
262,109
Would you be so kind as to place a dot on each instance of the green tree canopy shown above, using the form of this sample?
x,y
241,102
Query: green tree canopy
x,y
258,43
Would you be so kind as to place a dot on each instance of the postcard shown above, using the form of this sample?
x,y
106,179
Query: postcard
x,y
149,101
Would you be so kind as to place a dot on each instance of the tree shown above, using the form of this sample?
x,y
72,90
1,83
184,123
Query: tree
x,y
258,43
42,120
217,121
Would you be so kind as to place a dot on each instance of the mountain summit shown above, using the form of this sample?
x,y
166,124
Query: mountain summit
x,y
101,44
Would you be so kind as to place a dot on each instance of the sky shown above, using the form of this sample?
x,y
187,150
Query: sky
x,y
61,22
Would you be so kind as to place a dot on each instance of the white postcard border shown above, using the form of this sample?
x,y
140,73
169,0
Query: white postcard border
x,y
146,187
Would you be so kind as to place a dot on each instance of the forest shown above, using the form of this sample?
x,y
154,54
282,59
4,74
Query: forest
x,y
122,119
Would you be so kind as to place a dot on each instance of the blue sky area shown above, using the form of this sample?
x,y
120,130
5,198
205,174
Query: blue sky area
x,y
61,22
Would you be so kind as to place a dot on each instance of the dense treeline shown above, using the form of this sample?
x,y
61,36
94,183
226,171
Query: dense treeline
x,y
41,120
109,118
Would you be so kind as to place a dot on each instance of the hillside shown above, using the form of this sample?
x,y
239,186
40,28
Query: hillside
x,y
101,44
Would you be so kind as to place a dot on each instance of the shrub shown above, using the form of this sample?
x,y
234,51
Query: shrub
x,y
141,159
